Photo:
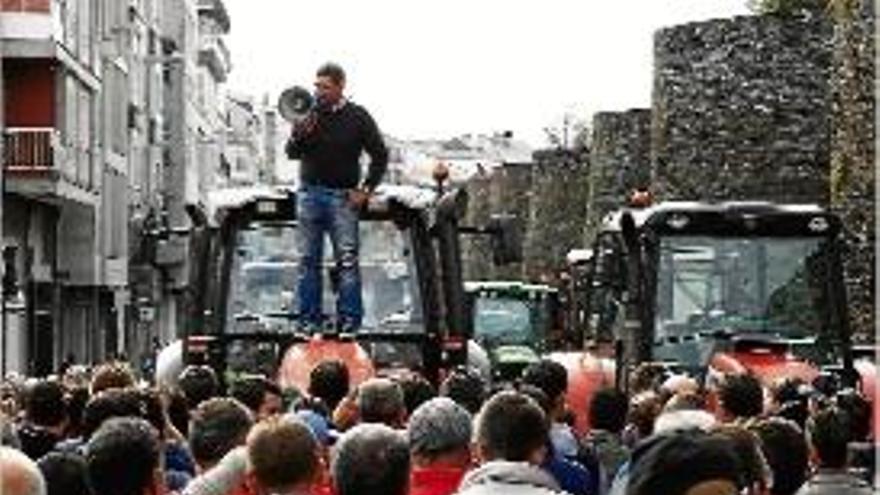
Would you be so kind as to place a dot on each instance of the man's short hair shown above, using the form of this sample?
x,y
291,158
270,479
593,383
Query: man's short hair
x,y
741,395
329,381
439,426
673,463
282,453
113,374
416,391
785,449
65,474
252,390
122,456
549,376
380,400
466,387
371,458
111,403
332,70
608,408
198,384
829,432
217,426
19,475
45,405
511,426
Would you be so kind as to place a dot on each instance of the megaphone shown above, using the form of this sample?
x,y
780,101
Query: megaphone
x,y
295,104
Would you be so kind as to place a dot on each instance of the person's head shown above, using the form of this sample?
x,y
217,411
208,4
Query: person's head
x,y
329,83
644,408
123,458
511,427
329,381
19,475
785,449
608,408
217,426
684,463
260,395
741,396
465,387
111,403
829,432
282,456
754,472
77,398
198,384
416,391
112,374
688,401
380,400
65,474
859,410
679,384
552,378
45,405
440,430
371,458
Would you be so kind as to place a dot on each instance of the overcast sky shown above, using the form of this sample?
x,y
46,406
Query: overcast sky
x,y
436,69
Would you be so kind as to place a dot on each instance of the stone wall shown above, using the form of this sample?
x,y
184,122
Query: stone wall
x,y
560,195
620,159
852,178
505,189
741,109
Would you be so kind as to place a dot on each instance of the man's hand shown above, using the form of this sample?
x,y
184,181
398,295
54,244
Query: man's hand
x,y
305,126
359,198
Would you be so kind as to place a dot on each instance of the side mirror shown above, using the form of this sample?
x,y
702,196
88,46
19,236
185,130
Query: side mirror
x,y
507,244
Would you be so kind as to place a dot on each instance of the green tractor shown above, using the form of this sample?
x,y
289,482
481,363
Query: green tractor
x,y
515,322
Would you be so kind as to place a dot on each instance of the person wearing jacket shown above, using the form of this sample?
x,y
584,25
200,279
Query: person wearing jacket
x,y
511,444
439,434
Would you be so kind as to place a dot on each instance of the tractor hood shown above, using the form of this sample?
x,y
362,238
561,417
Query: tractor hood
x,y
768,359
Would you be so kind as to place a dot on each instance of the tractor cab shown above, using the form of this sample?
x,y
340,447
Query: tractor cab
x,y
514,321
728,287
410,276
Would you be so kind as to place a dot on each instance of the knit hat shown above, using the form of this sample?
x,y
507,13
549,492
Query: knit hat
x,y
437,426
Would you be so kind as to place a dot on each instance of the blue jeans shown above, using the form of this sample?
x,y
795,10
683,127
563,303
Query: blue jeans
x,y
319,210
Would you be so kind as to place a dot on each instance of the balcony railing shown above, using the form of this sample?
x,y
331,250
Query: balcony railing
x,y
39,149
31,148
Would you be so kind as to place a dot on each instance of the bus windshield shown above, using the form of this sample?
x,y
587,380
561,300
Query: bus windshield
x,y
263,279
766,286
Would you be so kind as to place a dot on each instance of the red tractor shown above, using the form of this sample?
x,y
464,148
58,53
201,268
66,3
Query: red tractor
x,y
243,319
718,288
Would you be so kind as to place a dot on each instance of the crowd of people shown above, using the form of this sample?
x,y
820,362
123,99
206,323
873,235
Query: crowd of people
x,y
102,431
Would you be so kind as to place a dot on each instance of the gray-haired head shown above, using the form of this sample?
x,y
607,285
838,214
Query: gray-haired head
x,y
439,426
19,475
371,458
380,400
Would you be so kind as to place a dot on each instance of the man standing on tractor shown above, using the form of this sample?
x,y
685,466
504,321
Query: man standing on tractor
x,y
329,142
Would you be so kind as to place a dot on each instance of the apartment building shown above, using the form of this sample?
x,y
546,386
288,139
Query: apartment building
x,y
64,164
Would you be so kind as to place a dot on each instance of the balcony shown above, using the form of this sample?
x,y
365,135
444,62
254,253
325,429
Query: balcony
x,y
38,165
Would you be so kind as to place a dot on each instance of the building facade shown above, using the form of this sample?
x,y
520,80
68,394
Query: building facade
x,y
64,167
